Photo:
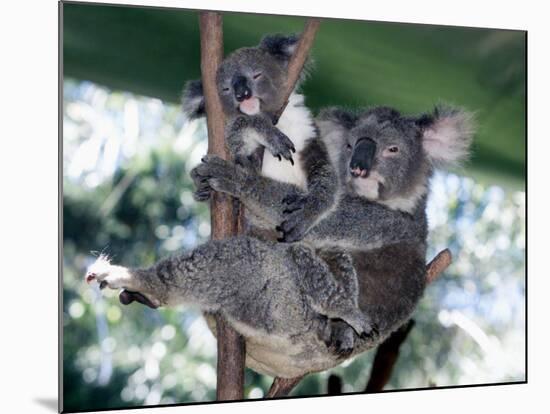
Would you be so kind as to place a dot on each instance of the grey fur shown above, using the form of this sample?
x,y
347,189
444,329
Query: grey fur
x,y
296,303
261,70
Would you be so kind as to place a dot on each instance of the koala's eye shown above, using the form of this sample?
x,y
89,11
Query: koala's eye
x,y
390,151
348,146
257,75
225,90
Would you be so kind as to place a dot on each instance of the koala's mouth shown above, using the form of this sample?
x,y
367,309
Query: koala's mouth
x,y
368,185
250,106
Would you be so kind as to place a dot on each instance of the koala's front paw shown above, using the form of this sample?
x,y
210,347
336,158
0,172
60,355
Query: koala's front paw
x,y
215,173
280,146
297,218
203,190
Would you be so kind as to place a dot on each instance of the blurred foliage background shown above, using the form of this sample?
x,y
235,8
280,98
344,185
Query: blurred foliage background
x,y
127,151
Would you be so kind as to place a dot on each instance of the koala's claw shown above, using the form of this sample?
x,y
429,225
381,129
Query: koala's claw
x,y
202,195
280,146
361,324
342,350
297,218
340,347
371,334
341,342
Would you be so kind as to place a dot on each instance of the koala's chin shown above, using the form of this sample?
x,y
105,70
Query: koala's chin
x,y
368,187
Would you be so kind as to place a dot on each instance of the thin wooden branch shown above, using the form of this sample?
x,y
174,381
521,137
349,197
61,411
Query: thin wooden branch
x,y
388,352
297,62
438,265
231,347
281,387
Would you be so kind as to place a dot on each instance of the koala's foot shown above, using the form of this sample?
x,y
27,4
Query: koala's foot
x,y
322,326
361,324
297,220
342,340
119,277
279,145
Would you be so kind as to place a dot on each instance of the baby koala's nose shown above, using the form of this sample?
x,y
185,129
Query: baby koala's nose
x,y
241,89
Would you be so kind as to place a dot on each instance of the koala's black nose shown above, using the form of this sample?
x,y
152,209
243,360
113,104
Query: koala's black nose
x,y
241,89
362,157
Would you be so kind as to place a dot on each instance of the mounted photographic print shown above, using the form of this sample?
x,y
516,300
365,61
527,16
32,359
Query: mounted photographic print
x,y
263,206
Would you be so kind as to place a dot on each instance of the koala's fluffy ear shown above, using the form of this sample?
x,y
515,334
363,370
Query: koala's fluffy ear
x,y
333,123
279,45
447,135
192,100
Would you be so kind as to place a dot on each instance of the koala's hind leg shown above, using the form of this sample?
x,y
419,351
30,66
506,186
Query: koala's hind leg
x,y
248,280
211,276
341,266
329,297
342,338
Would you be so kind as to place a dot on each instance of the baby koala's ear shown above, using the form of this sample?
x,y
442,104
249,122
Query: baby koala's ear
x,y
446,135
192,100
279,45
334,123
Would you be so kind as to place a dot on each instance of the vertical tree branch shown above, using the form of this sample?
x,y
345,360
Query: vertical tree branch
x,y
231,351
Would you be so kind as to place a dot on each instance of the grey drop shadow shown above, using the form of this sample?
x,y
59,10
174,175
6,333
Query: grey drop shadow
x,y
49,403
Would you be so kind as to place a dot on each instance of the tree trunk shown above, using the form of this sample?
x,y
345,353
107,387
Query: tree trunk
x,y
231,347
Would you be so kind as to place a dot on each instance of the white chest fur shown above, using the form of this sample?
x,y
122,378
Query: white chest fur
x,y
297,124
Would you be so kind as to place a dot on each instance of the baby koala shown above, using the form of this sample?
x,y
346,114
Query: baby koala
x,y
251,83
